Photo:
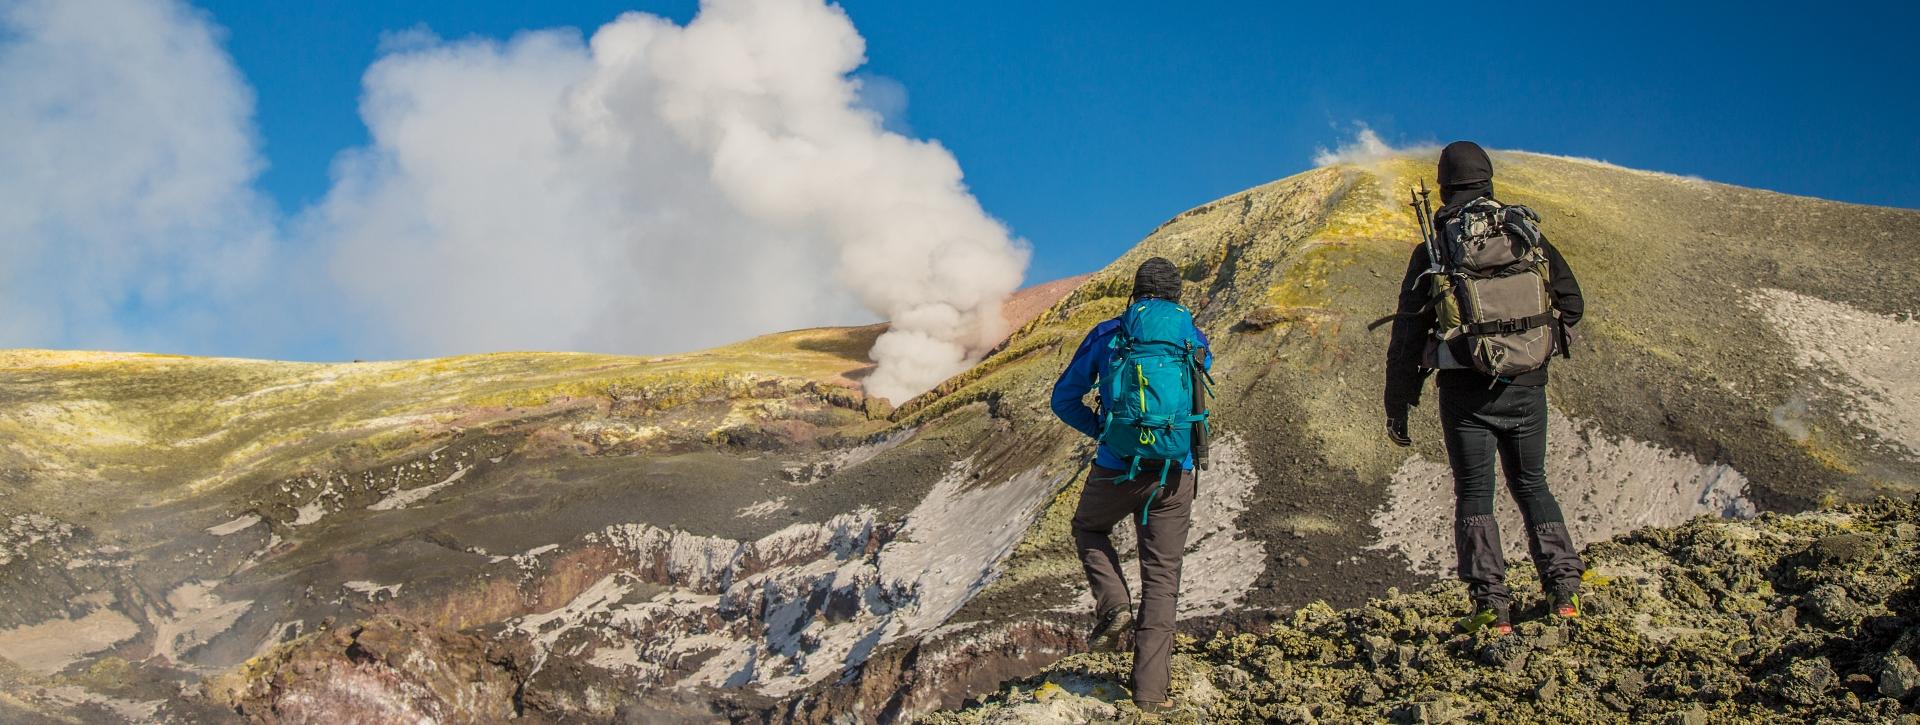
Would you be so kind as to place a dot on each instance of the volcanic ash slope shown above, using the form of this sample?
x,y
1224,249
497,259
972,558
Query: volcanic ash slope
x,y
741,534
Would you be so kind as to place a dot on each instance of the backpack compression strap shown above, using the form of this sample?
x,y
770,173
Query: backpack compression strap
x,y
1134,470
1501,327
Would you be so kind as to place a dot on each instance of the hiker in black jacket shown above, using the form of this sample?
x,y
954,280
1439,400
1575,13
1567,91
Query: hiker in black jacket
x,y
1484,416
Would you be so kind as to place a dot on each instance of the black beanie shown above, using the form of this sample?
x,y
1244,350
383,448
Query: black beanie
x,y
1158,278
1465,172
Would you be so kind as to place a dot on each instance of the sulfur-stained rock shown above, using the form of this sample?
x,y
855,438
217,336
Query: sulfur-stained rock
x,y
383,669
1804,682
1830,605
1898,677
1747,655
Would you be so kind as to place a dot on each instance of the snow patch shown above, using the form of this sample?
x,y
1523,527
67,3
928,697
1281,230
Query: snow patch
x,y
235,526
797,606
545,629
806,474
48,647
400,499
1606,486
310,513
762,509
73,696
373,590
1221,564
1868,361
195,616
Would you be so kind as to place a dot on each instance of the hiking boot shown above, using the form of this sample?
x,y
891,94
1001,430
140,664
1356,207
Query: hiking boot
x,y
1488,615
1109,629
1152,710
1564,601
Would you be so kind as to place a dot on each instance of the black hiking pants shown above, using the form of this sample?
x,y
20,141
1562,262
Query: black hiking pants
x,y
1507,423
1163,540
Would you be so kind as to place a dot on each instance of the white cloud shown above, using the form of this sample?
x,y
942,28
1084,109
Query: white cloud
x,y
127,157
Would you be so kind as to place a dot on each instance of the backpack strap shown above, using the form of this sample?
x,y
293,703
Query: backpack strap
x,y
1501,327
1375,325
1164,465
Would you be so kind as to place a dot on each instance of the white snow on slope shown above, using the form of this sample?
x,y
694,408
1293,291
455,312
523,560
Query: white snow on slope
x,y
1606,486
403,498
1869,363
801,604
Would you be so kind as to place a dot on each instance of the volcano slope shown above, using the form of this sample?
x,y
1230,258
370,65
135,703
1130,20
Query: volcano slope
x,y
739,534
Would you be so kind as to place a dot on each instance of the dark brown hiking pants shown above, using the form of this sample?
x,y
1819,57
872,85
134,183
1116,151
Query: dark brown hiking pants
x,y
1104,503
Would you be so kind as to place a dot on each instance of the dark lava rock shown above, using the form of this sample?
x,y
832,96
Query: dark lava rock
x,y
1695,715
1547,691
1842,549
1898,677
1630,683
1776,623
1724,641
1805,682
1830,605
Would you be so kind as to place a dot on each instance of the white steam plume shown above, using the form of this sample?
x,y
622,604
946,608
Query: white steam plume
x,y
1364,148
665,187
662,188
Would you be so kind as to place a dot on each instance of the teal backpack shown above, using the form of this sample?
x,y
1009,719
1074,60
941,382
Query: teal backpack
x,y
1153,390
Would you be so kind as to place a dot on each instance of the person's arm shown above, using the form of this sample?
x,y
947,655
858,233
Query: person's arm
x,y
1413,321
1071,389
1566,289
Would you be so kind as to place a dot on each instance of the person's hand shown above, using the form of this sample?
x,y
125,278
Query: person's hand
x,y
1397,431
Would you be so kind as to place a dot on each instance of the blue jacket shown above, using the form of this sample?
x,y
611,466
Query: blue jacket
x,y
1083,375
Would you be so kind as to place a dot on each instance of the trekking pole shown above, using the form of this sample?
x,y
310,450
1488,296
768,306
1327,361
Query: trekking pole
x,y
1423,214
1202,384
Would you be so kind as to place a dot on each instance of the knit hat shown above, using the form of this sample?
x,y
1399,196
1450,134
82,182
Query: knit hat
x,y
1463,163
1157,278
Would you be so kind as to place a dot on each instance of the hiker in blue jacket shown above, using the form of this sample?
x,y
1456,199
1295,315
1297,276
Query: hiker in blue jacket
x,y
1156,492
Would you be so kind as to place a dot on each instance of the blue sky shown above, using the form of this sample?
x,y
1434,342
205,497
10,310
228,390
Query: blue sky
x,y
1083,125
412,178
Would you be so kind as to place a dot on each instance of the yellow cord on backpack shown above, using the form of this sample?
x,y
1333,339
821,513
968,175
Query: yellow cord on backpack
x,y
1147,436
1142,373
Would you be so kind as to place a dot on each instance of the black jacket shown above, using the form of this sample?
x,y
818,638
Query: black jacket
x,y
1415,321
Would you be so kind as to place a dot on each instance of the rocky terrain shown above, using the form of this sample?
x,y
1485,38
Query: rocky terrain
x,y
741,534
1806,618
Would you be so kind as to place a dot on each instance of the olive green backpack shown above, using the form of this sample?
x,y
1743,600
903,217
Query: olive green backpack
x,y
1490,285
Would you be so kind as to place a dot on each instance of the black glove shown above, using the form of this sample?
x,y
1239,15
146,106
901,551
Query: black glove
x,y
1397,431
